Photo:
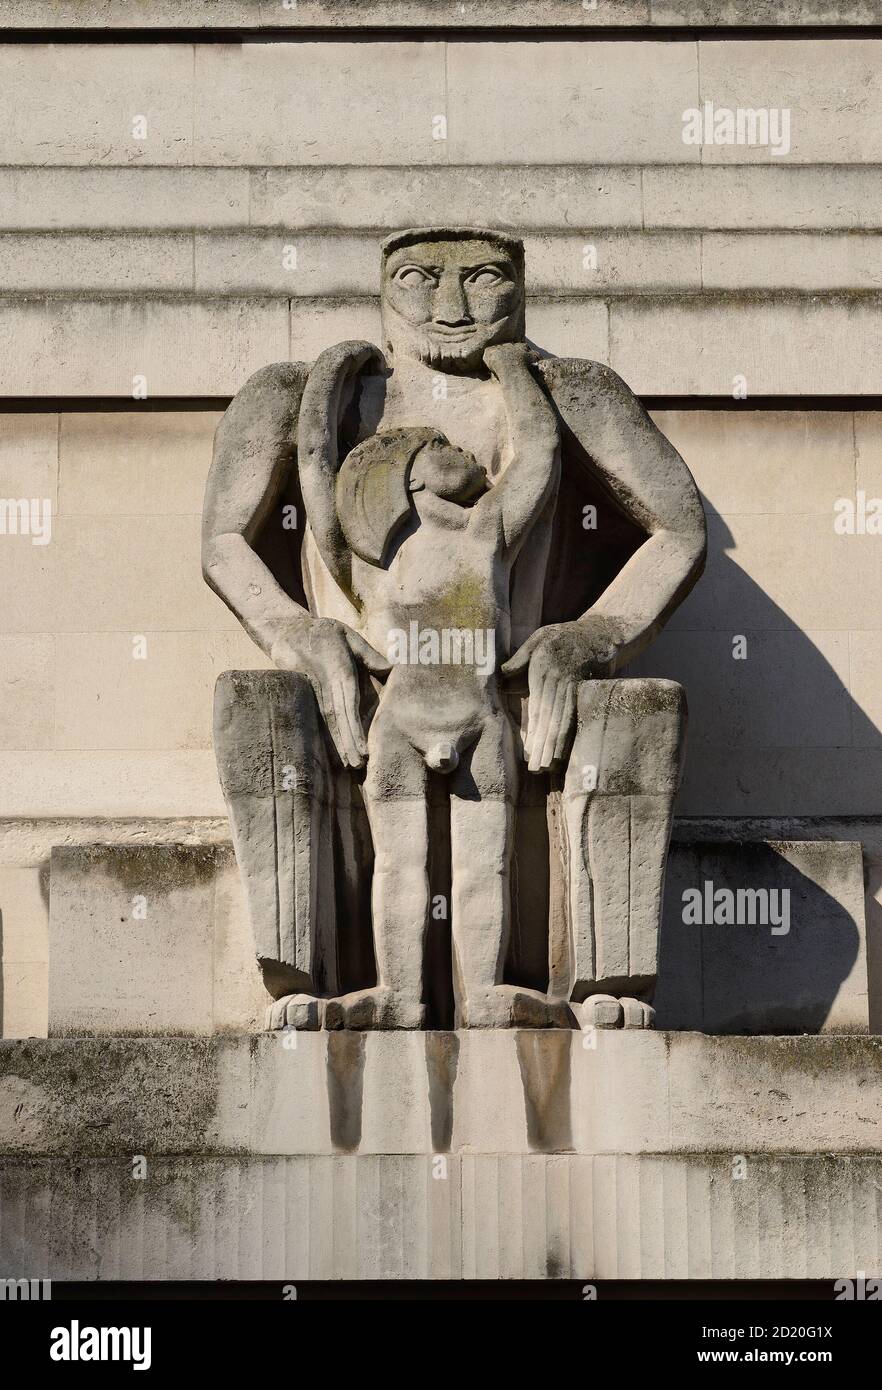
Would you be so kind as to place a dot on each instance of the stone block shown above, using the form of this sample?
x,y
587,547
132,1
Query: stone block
x,y
741,957
150,939
527,196
797,74
770,588
27,691
110,784
761,195
24,951
118,919
281,103
94,198
605,103
117,569
797,261
77,103
95,262
132,463
746,461
811,346
784,689
29,456
94,347
151,691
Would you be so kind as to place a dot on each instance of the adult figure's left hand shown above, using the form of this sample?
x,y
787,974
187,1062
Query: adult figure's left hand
x,y
556,659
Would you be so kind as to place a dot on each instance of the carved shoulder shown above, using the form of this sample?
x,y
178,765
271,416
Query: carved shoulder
x,y
255,448
612,435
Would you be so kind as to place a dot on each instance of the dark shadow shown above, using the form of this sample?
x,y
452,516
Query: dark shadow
x,y
784,694
750,976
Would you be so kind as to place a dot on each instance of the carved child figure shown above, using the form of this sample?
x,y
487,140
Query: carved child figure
x,y
423,547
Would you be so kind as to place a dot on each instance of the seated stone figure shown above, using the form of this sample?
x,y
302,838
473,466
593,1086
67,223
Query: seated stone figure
x,y
613,548
410,531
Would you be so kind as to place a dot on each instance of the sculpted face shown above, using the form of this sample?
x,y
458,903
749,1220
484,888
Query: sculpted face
x,y
444,302
447,471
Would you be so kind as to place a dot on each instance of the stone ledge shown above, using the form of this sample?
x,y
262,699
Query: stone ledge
x,y
695,344
431,14
480,1216
422,1094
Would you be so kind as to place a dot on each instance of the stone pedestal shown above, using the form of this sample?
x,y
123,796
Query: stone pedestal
x,y
441,1155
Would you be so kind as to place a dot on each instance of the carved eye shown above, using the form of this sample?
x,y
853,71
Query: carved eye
x,y
485,277
413,276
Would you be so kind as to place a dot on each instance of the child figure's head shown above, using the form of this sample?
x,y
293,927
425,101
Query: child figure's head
x,y
377,477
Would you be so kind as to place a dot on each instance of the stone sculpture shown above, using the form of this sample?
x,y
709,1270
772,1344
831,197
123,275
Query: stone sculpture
x,y
418,538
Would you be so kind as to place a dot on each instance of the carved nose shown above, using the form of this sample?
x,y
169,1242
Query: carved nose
x,y
442,757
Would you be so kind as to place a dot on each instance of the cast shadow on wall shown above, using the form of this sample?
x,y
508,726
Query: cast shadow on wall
x,y
759,687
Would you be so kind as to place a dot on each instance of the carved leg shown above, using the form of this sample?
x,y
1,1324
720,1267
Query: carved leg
x,y
621,781
482,794
395,796
275,777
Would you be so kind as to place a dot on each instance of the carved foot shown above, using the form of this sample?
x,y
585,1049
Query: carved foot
x,y
514,1006
374,1008
302,1011
605,1011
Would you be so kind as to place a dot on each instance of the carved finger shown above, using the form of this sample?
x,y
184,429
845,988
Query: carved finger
x,y
346,694
553,727
347,745
546,710
326,705
521,659
368,655
537,681
566,723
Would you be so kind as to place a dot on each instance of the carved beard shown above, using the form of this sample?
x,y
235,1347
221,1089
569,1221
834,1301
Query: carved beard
x,y
437,352
450,356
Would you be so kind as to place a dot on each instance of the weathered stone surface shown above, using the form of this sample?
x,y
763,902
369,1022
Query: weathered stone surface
x,y
417,14
504,1092
433,512
779,944
469,1155
148,940
716,977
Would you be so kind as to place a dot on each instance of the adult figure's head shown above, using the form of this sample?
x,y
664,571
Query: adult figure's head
x,y
447,293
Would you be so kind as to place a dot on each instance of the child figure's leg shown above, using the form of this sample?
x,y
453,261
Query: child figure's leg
x,y
395,797
482,798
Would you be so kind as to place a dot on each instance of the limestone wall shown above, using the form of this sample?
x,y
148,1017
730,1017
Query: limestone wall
x,y
152,188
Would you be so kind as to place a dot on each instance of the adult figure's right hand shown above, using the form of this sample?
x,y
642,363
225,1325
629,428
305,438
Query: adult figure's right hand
x,y
326,652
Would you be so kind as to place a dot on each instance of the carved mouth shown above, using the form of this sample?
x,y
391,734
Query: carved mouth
x,y
453,335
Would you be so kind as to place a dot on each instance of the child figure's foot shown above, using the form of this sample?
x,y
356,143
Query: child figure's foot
x,y
514,1006
605,1011
301,1011
378,1007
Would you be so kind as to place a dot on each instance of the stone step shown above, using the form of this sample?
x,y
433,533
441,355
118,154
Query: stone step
x,y
154,939
574,198
491,1155
736,346
582,265
430,14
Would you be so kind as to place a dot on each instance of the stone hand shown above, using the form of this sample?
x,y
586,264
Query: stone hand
x,y
326,652
557,658
502,359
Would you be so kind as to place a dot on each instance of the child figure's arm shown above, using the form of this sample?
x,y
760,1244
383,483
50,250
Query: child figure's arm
x,y
318,456
516,500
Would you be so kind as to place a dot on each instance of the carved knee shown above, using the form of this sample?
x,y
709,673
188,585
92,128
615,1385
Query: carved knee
x,y
629,737
267,733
